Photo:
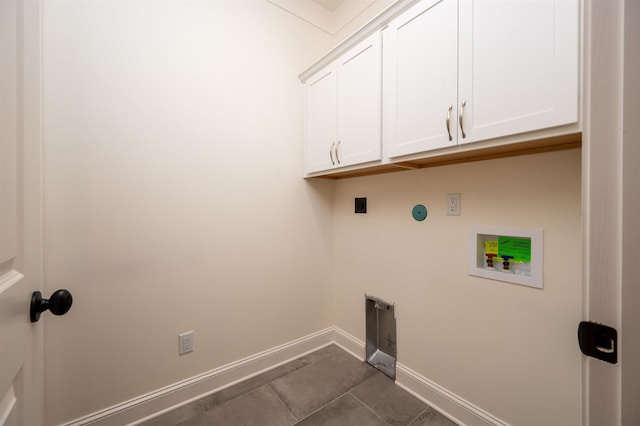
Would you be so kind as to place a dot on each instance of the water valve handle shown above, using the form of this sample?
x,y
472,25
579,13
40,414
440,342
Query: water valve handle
x,y
505,264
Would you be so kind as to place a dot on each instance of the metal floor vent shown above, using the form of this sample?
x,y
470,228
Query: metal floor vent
x,y
381,335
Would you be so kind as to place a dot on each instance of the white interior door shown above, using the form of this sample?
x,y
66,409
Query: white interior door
x,y
21,348
610,193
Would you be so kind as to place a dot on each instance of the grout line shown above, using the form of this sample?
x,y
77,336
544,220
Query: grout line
x,y
348,391
320,408
369,408
333,400
254,386
419,414
273,389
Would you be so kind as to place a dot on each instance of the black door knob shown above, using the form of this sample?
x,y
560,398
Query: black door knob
x,y
59,303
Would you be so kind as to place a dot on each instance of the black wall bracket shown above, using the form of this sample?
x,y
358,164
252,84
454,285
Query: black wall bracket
x,y
598,341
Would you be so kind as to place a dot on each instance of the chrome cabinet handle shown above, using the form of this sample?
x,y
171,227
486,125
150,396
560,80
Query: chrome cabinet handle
x,y
464,135
333,163
449,122
338,146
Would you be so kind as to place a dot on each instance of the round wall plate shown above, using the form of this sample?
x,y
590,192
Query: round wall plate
x,y
419,212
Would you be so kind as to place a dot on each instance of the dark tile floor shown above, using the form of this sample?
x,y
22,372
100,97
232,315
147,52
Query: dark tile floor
x,y
326,387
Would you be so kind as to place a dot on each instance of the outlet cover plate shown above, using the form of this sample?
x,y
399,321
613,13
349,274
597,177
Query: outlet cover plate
x,y
185,343
453,204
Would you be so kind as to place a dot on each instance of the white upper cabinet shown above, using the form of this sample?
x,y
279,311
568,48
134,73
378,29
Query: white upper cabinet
x,y
518,66
320,130
420,78
360,103
343,109
472,70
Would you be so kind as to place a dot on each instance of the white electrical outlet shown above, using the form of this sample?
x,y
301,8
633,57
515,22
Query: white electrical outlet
x,y
453,204
185,343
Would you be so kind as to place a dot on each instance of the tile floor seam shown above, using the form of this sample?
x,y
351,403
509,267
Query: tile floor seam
x,y
320,408
416,417
369,408
270,384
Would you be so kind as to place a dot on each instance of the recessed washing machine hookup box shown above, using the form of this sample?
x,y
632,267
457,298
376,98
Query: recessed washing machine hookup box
x,y
512,255
381,335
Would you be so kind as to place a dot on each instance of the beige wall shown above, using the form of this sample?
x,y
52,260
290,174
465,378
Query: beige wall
x,y
508,349
174,197
174,201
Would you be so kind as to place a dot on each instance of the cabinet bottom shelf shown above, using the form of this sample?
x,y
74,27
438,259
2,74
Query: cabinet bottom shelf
x,y
465,155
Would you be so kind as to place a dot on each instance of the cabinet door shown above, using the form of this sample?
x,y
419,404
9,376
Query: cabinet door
x,y
420,78
360,103
518,66
320,120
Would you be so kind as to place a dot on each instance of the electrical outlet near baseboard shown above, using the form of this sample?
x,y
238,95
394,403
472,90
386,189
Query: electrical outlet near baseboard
x,y
185,342
453,204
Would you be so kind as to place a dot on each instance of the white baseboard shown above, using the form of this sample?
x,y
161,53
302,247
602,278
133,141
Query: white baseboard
x,y
449,404
349,343
155,403
160,401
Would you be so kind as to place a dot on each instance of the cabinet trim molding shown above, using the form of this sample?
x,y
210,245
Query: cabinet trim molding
x,y
377,23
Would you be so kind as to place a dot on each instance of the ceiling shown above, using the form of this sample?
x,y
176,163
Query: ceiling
x,y
328,15
330,5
